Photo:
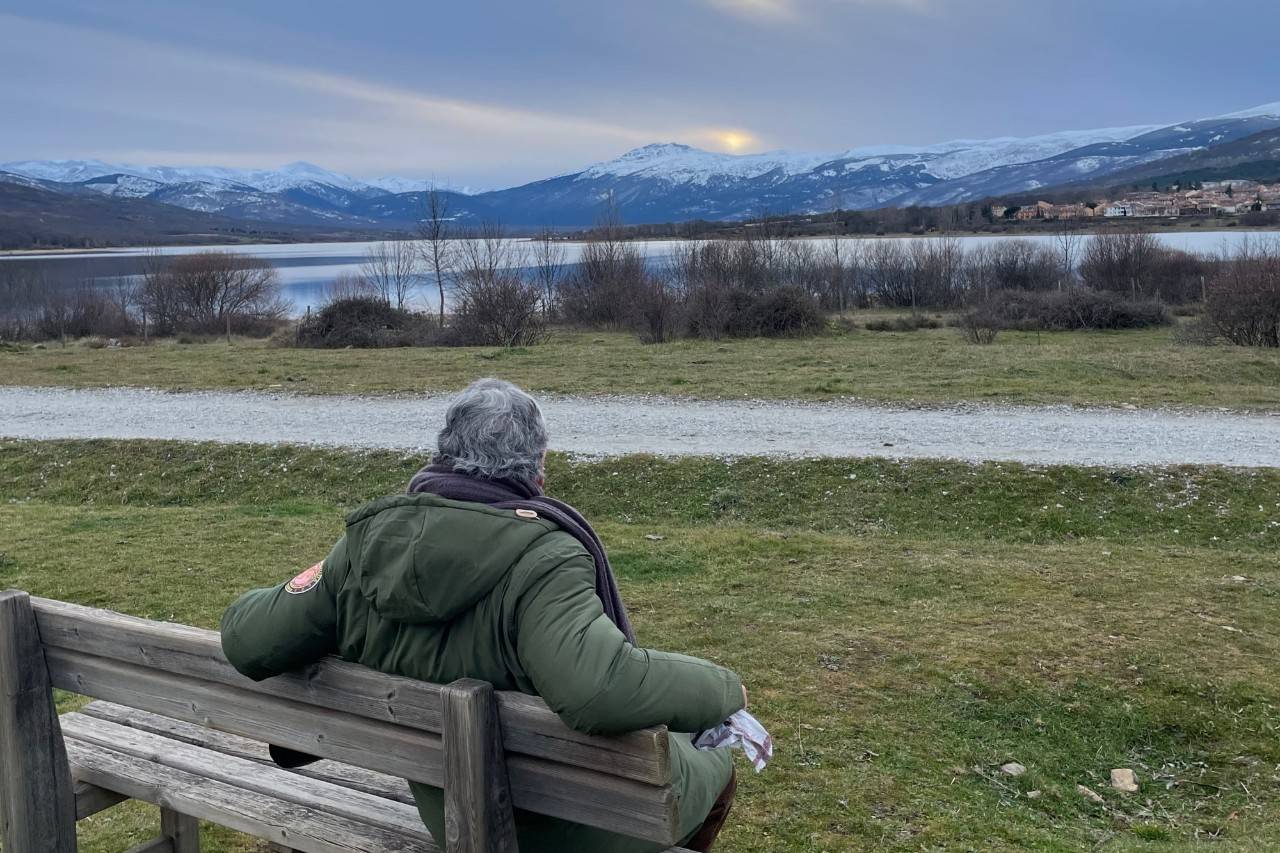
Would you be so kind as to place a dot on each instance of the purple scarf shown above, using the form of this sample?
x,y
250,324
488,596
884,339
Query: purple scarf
x,y
442,480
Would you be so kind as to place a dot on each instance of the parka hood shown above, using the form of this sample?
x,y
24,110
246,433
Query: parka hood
x,y
421,558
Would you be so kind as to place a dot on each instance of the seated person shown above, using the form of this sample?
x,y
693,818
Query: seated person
x,y
475,573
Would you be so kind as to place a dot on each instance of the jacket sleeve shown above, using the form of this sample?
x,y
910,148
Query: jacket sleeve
x,y
266,632
586,671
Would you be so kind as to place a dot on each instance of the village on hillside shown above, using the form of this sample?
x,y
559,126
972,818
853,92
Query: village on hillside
x,y
1210,198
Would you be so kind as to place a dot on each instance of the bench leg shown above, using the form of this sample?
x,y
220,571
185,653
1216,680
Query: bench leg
x,y
37,803
182,831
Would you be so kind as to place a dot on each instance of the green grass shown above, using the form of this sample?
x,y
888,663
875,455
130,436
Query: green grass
x,y
1142,368
904,627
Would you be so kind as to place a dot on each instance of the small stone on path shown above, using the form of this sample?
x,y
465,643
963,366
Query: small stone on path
x,y
1123,779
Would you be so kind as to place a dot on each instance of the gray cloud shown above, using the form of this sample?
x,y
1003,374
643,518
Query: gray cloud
x,y
504,91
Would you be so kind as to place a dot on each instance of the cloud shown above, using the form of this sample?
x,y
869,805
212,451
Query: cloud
x,y
766,10
120,97
773,11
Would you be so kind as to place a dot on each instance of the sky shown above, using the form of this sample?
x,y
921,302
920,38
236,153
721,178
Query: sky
x,y
488,94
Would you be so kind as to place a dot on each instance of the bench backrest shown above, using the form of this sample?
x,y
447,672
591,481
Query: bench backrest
x,y
349,713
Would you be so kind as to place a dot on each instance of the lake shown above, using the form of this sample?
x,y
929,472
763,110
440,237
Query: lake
x,y
307,269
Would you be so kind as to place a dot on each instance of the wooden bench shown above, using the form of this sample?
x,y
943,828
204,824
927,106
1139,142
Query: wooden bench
x,y
175,725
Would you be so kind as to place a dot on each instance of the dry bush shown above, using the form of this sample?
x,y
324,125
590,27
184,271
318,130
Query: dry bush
x,y
660,312
1242,305
1075,309
494,305
211,292
980,325
364,322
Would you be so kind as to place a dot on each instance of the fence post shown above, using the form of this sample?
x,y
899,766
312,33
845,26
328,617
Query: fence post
x,y
477,799
37,802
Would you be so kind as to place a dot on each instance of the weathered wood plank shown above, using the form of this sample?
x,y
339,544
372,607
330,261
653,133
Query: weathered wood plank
x,y
389,748
37,802
341,774
347,775
558,790
90,799
529,727
477,797
180,830
249,775
277,821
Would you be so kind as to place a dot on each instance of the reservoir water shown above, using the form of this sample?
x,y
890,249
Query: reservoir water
x,y
306,270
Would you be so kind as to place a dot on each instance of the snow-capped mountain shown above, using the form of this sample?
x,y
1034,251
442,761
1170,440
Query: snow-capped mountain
x,y
672,182
675,182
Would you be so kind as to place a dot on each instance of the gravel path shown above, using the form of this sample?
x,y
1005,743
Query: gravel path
x,y
618,425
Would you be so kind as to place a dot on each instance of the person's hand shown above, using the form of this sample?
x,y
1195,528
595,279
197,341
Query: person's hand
x,y
745,699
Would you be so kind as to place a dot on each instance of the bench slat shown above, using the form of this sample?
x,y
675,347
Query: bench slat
x,y
528,726
346,775
288,824
558,790
270,781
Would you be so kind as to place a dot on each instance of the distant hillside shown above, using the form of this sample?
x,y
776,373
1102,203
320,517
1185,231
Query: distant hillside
x,y
1254,158
31,215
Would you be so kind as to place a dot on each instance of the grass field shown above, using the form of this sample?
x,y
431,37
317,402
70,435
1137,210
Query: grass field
x,y
904,627
1142,368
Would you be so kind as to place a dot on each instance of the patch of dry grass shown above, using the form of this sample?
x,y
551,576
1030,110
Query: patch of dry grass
x,y
1142,368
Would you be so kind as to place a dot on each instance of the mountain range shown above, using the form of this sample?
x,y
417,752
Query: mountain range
x,y
657,183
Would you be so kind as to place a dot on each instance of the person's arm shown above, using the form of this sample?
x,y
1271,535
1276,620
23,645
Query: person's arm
x,y
269,631
586,671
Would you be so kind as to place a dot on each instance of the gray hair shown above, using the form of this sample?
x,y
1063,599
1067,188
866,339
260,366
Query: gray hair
x,y
493,430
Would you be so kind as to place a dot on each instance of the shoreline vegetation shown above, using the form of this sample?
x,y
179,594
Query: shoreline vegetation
x,y
907,628
1047,230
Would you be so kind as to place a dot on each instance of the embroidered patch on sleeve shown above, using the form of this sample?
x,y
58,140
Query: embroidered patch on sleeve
x,y
305,581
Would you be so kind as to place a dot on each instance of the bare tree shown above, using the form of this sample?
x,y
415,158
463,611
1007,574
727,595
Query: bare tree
x,y
548,266
1067,243
496,305
435,232
208,291
392,269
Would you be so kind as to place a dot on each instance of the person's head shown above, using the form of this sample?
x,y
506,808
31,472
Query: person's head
x,y
493,430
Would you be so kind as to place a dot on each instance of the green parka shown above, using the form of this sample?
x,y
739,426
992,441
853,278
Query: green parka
x,y
437,590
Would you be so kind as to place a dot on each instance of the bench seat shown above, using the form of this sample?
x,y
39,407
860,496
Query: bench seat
x,y
324,807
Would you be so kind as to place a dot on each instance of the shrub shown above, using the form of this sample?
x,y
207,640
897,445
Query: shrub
x,y
980,325
785,312
1075,309
364,322
214,292
497,309
602,289
1242,305
660,314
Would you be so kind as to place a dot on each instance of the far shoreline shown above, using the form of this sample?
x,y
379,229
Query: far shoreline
x,y
1039,231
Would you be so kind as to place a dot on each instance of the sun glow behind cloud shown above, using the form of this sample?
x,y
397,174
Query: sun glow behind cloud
x,y
732,141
